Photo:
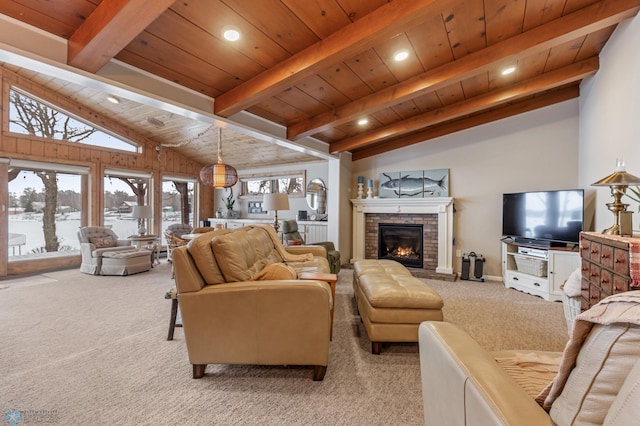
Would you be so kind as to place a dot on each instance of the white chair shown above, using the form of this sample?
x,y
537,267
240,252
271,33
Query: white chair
x,y
99,245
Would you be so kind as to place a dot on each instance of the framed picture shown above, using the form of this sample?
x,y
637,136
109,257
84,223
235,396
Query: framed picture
x,y
415,184
255,207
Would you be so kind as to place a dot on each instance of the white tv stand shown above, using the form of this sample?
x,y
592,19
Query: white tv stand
x,y
557,264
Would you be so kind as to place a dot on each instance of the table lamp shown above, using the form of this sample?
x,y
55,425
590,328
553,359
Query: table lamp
x,y
275,202
618,181
141,213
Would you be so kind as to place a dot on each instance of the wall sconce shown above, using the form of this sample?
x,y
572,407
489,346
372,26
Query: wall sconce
x,y
618,181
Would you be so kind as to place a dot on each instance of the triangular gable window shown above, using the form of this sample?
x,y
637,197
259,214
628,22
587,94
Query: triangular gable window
x,y
30,116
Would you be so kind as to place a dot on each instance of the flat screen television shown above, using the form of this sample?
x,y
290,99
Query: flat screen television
x,y
543,218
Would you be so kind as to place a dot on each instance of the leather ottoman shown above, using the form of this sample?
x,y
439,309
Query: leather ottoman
x,y
392,303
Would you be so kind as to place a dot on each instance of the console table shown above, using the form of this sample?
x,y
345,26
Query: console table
x,y
610,265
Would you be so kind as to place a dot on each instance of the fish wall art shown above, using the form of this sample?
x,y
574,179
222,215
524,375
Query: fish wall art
x,y
417,184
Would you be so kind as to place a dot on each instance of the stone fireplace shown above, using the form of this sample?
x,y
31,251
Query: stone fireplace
x,y
434,214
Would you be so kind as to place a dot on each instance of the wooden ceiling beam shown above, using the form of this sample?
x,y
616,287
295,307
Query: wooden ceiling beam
x,y
546,81
513,108
569,27
381,24
109,29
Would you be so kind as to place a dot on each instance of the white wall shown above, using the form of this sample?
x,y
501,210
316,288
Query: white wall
x,y
313,170
537,150
610,117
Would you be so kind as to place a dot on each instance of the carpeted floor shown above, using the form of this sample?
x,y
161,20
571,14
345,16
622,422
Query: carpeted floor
x,y
83,350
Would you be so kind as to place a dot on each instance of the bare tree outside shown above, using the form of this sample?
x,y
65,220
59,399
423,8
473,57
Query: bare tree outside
x,y
37,119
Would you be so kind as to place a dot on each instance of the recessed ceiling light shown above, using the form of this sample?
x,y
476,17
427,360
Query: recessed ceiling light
x,y
508,70
363,121
113,99
231,33
401,55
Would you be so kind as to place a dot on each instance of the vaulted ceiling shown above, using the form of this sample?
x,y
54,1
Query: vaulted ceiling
x,y
318,67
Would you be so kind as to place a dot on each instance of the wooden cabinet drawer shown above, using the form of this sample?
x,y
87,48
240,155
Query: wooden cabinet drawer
x,y
620,284
584,292
621,261
585,248
594,294
584,268
606,283
594,273
606,256
594,251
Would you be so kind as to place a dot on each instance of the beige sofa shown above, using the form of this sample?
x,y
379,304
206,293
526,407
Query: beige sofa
x,y
595,381
241,301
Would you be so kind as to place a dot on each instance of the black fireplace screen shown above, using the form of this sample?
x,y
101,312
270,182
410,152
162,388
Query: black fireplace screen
x,y
402,243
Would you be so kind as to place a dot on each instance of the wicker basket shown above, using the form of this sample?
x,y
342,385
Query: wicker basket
x,y
572,308
531,266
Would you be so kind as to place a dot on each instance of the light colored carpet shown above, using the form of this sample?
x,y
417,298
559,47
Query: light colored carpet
x,y
92,350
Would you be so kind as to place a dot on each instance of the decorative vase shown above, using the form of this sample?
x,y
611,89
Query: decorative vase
x,y
232,214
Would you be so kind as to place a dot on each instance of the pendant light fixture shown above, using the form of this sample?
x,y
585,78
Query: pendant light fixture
x,y
219,175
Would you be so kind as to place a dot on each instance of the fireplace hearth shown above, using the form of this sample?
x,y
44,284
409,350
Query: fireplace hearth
x,y
402,243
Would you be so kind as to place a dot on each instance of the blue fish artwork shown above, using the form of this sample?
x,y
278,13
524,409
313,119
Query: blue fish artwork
x,y
426,183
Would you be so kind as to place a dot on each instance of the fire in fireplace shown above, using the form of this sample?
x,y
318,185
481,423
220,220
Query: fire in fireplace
x,y
402,243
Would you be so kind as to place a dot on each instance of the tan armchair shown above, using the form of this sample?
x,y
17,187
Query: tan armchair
x,y
235,312
95,242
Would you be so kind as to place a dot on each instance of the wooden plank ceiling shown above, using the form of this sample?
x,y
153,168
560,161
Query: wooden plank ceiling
x,y
318,67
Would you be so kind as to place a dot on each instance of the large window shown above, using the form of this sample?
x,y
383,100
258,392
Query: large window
x,y
178,195
45,209
255,186
122,191
31,116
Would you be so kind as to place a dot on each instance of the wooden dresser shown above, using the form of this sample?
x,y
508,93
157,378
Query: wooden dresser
x,y
608,264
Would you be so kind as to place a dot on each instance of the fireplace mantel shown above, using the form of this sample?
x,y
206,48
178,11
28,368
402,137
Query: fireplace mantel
x,y
442,206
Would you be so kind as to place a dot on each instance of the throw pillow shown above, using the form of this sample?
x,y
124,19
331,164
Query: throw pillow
x,y
294,242
102,242
276,271
573,286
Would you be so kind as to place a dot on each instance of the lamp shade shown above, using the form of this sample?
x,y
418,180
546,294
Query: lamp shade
x,y
618,178
275,202
141,212
219,175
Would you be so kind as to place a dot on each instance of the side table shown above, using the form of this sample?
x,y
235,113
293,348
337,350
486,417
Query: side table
x,y
149,242
331,280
